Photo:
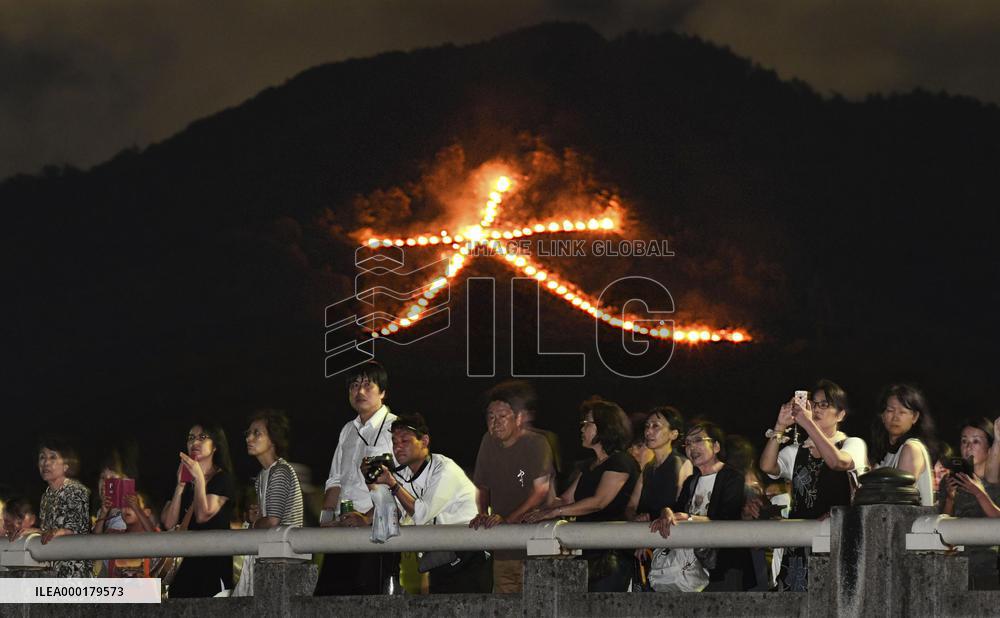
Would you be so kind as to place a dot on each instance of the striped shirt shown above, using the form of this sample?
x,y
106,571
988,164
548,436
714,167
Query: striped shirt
x,y
279,493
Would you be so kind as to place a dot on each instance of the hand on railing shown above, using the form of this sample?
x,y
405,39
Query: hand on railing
x,y
487,521
16,534
48,535
663,523
533,517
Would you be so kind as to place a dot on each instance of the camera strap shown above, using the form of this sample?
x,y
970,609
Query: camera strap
x,y
416,475
377,433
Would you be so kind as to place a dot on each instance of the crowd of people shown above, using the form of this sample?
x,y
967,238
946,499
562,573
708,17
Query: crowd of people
x,y
655,468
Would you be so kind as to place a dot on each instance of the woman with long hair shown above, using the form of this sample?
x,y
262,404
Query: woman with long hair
x,y
203,498
903,436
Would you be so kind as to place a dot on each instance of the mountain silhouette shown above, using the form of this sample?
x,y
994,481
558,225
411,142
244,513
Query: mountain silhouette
x,y
853,236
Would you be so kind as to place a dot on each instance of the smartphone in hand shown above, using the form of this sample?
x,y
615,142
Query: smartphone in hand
x,y
118,490
957,464
186,476
801,397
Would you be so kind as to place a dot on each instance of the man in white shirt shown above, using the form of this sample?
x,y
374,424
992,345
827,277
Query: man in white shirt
x,y
366,435
432,489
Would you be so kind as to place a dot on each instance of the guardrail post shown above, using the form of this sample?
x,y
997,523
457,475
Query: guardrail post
x,y
278,580
871,572
550,575
549,582
277,545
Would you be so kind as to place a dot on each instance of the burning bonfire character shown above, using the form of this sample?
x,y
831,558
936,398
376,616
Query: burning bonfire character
x,y
472,237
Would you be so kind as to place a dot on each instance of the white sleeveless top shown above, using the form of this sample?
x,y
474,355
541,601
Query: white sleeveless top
x,y
924,481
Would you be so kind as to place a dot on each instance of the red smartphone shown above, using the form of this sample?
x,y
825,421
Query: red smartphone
x,y
118,490
186,476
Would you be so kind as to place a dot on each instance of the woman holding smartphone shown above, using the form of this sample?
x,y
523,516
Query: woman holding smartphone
x,y
823,470
965,495
202,500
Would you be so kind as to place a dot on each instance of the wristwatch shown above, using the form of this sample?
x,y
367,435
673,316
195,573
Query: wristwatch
x,y
777,435
394,489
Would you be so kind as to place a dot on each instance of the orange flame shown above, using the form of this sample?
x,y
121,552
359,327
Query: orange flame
x,y
483,234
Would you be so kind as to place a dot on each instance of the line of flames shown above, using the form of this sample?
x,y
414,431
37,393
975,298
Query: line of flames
x,y
471,237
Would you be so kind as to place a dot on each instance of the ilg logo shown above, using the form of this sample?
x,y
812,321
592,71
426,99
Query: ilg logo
x,y
384,279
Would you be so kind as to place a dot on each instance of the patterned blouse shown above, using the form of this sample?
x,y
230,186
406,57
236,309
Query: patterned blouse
x,y
68,507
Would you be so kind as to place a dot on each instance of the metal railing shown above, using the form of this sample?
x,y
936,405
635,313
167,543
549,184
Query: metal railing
x,y
548,538
943,532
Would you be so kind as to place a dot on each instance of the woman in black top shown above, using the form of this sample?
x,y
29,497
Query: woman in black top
x,y
205,487
601,490
662,478
714,491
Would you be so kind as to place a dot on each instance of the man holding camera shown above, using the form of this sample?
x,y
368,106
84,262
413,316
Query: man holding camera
x,y
432,489
366,435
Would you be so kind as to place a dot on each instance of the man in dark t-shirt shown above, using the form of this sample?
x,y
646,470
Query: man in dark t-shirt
x,y
513,472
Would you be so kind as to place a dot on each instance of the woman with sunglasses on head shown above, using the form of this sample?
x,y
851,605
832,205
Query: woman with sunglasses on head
x,y
903,434
601,490
202,500
823,470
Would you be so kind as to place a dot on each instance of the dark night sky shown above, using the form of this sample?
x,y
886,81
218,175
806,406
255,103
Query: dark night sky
x,y
84,80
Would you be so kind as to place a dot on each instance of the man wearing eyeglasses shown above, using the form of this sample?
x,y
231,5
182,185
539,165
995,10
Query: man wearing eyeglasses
x,y
432,489
366,435
514,472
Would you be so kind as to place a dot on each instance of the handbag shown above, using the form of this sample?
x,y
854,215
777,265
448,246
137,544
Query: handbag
x,y
429,560
677,570
166,567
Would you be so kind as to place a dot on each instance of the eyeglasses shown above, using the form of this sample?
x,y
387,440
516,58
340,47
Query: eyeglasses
x,y
249,432
359,384
690,443
202,437
585,423
900,411
822,405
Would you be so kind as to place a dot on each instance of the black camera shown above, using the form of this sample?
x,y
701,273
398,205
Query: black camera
x,y
371,467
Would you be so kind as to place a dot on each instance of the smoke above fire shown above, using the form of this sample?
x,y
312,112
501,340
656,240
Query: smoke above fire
x,y
550,187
